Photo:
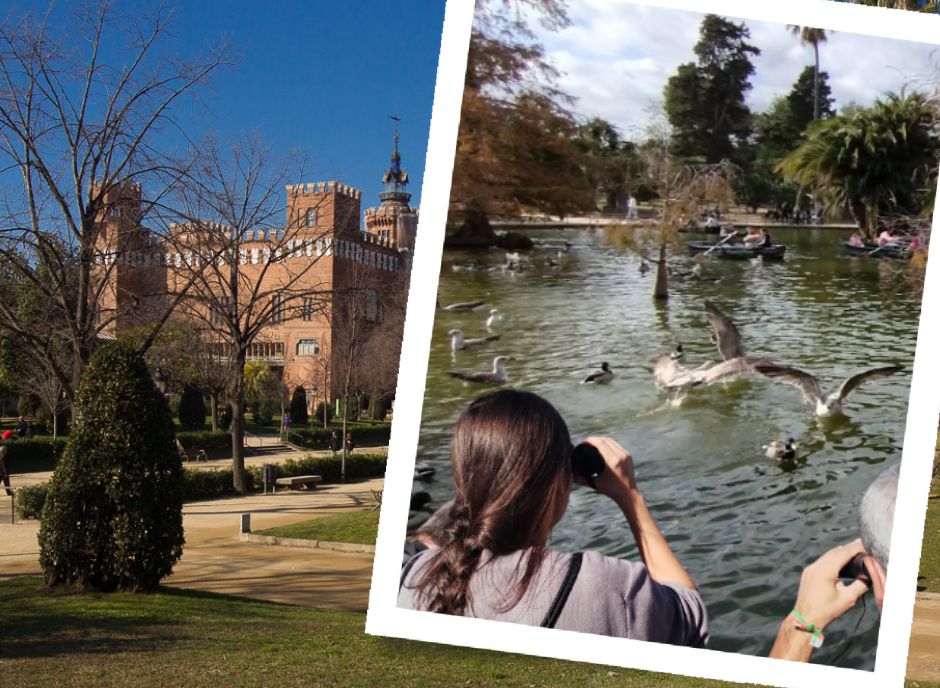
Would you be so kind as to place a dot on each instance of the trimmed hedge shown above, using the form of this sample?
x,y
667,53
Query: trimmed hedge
x,y
199,484
33,455
30,500
364,436
205,439
209,483
358,466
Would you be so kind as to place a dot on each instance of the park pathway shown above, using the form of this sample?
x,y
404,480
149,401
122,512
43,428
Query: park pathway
x,y
214,560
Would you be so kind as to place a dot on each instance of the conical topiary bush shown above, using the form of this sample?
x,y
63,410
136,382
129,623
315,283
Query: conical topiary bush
x,y
192,412
113,519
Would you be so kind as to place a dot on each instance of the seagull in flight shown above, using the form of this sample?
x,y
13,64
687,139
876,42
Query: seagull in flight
x,y
831,404
458,343
496,376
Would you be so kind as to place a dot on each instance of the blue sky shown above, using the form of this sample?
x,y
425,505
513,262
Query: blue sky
x,y
317,77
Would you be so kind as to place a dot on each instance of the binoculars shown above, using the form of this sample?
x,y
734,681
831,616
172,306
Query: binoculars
x,y
856,569
587,462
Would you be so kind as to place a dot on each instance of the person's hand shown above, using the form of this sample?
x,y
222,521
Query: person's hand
x,y
618,480
823,598
877,579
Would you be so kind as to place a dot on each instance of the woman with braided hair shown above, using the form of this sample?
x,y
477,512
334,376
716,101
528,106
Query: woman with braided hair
x,y
511,459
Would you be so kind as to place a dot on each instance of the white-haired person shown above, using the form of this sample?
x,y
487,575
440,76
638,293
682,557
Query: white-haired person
x,y
823,597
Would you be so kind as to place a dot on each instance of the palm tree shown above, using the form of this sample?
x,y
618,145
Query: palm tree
x,y
810,36
882,158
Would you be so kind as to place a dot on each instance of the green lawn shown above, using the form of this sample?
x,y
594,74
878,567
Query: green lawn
x,y
359,527
183,638
929,579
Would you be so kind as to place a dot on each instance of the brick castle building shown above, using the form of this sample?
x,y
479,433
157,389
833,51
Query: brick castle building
x,y
321,247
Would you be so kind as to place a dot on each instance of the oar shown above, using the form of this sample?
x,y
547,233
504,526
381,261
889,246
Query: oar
x,y
723,241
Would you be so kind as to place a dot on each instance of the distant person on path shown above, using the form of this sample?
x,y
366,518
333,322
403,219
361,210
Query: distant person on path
x,y
23,429
350,445
334,443
285,425
4,472
631,209
512,469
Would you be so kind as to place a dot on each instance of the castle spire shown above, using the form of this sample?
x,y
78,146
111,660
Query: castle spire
x,y
395,178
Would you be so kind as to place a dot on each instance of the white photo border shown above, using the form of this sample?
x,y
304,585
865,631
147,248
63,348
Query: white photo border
x,y
384,616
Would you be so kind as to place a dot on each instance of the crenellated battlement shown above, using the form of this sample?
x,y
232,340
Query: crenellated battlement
x,y
311,188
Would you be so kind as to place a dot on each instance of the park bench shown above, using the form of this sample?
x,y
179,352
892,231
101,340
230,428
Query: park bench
x,y
305,481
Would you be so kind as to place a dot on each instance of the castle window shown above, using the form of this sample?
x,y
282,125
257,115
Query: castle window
x,y
308,347
372,305
311,217
309,309
277,309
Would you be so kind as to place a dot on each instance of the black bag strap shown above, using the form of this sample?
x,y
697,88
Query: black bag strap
x,y
574,568
406,569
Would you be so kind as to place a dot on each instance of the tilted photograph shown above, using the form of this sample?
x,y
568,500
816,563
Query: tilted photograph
x,y
675,329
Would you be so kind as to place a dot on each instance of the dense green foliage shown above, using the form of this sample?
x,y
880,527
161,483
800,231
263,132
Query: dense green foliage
x,y
358,467
113,517
192,411
298,406
318,414
30,500
33,455
875,160
364,436
205,439
705,101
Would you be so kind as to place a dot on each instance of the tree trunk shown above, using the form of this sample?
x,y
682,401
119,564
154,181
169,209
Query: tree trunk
x,y
661,284
237,403
816,85
326,410
55,425
860,213
214,406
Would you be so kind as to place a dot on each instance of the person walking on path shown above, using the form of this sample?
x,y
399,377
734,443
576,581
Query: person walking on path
x,y
4,472
285,426
334,443
23,429
350,445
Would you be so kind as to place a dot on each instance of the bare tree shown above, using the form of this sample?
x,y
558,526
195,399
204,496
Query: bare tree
x,y
238,267
78,133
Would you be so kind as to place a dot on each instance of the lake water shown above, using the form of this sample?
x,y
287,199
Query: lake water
x,y
743,526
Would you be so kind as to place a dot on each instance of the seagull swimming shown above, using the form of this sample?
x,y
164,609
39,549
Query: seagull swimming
x,y
644,267
462,306
778,449
494,319
496,376
457,341
601,377
831,404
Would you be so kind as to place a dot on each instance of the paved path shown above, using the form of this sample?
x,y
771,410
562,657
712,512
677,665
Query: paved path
x,y
215,561
923,659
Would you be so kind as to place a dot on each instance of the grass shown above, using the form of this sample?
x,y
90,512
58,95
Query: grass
x,y
185,638
359,527
929,578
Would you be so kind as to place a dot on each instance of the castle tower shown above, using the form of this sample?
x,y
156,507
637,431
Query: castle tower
x,y
128,260
394,220
323,207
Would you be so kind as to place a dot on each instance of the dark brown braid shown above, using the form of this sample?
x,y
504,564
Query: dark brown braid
x,y
511,461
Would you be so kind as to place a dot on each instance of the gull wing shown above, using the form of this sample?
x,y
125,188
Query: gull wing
x,y
865,377
668,374
806,383
726,334
730,369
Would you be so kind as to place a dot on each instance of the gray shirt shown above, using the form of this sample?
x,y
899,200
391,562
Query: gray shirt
x,y
610,597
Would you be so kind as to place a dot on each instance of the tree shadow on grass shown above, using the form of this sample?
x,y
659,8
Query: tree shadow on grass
x,y
37,622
